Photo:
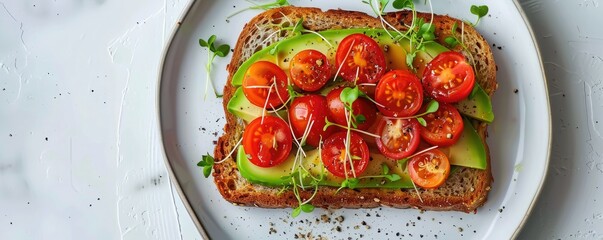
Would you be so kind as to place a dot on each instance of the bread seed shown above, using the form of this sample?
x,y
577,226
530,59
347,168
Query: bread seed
x,y
377,200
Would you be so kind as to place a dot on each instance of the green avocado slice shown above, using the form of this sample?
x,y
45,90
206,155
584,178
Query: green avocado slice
x,y
242,108
469,150
477,106
279,175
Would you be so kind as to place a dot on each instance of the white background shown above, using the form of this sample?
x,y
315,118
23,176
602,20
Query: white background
x,y
79,149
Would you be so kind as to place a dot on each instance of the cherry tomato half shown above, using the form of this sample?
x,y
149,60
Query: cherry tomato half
x,y
261,77
430,169
400,138
361,106
448,77
359,55
444,127
267,143
337,161
310,70
306,109
400,93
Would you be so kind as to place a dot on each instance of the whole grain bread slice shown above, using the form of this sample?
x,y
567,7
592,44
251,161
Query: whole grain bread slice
x,y
465,190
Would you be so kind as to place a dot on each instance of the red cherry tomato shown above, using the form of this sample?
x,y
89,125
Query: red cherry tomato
x,y
261,77
448,77
359,55
400,138
430,169
310,70
361,106
306,109
267,143
444,127
336,159
400,94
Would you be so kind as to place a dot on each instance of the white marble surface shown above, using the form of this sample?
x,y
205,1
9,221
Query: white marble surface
x,y
79,149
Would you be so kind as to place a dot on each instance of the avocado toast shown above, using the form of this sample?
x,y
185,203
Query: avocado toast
x,y
465,189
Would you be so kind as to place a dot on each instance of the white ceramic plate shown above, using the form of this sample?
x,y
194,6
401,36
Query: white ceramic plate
x,y
519,138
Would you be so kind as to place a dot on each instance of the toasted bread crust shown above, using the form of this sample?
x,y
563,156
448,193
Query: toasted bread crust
x,y
475,184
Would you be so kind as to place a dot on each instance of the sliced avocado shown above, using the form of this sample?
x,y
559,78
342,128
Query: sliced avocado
x,y
278,175
469,150
242,108
477,106
272,176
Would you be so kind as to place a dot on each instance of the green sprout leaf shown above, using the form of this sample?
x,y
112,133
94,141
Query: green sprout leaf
x,y
451,41
350,183
207,163
222,50
402,4
426,31
353,182
349,95
393,177
360,119
422,121
296,211
213,51
307,208
207,171
299,27
292,93
202,43
432,106
479,11
210,43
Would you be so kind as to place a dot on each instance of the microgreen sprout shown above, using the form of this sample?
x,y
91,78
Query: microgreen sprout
x,y
432,107
479,11
329,123
266,6
380,11
207,163
295,30
418,33
299,175
452,40
350,183
417,190
212,52
348,96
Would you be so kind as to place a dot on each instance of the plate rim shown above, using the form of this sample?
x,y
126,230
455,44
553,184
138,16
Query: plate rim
x,y
186,202
549,122
172,175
